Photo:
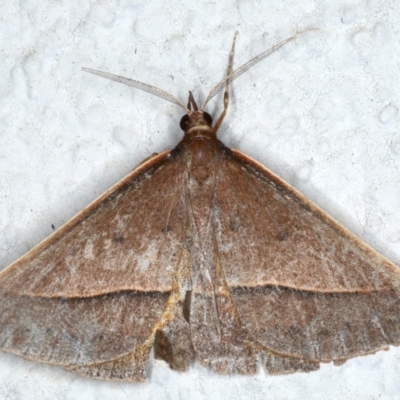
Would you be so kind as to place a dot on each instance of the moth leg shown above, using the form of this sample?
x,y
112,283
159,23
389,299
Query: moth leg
x,y
226,94
172,342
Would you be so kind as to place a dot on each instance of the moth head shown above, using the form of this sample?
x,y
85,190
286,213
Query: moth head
x,y
195,119
197,122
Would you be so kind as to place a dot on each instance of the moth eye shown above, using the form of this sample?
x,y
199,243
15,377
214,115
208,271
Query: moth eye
x,y
184,122
207,117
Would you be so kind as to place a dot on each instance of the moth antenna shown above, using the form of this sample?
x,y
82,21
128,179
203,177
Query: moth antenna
x,y
220,85
226,94
138,85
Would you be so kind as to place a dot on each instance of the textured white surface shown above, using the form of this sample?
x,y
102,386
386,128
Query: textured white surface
x,y
323,113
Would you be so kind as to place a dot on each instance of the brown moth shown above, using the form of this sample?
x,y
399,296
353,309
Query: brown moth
x,y
199,253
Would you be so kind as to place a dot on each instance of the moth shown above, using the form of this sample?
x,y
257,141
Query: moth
x,y
200,253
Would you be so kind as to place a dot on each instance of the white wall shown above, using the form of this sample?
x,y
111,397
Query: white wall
x,y
323,113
